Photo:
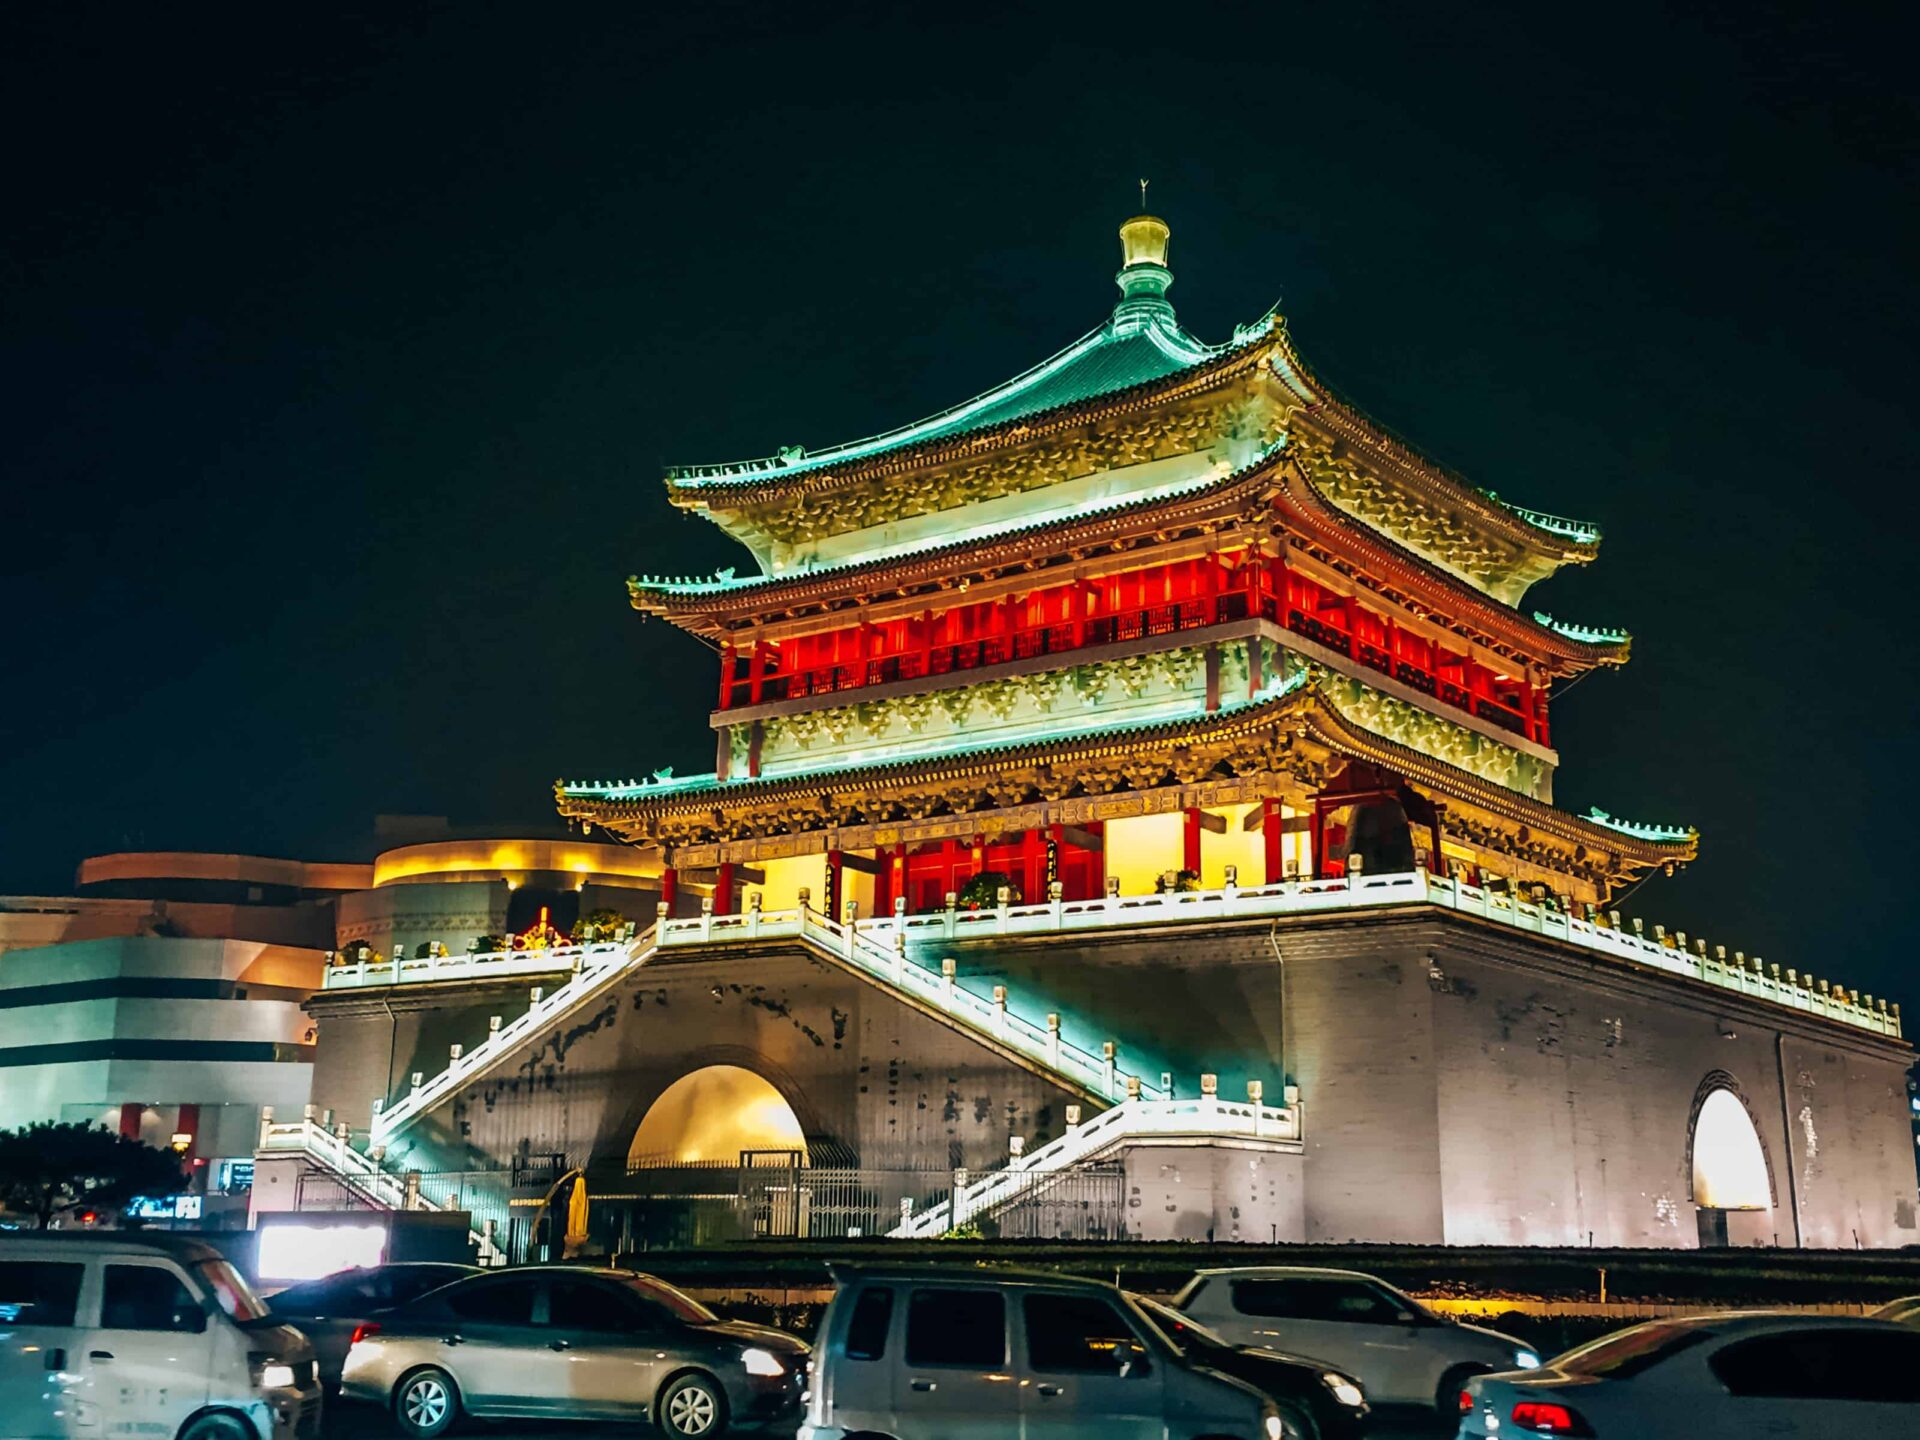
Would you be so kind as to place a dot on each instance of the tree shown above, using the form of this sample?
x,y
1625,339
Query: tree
x,y
48,1168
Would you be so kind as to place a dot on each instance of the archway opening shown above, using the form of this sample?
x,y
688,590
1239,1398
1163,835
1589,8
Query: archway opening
x,y
716,1114
1729,1171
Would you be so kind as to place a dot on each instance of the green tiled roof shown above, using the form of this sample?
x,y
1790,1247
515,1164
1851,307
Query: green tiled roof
x,y
1128,350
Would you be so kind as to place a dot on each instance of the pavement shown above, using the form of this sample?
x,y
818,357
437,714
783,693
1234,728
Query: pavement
x,y
364,1422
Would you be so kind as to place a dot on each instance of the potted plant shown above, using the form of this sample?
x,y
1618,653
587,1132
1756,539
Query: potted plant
x,y
984,889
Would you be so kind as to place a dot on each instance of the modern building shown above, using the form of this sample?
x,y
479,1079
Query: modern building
x,y
165,997
1133,812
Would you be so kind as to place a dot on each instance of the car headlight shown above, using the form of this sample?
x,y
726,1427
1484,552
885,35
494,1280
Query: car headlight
x,y
1344,1390
762,1362
1273,1427
276,1376
1526,1360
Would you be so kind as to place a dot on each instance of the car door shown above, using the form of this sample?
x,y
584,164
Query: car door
x,y
146,1364
1085,1371
481,1333
957,1382
609,1349
39,1303
1812,1384
1291,1314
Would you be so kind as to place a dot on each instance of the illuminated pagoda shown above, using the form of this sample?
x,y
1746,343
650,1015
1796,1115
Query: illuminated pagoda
x,y
1132,814
1152,613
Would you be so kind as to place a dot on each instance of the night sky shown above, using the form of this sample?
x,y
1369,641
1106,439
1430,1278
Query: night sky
x,y
341,355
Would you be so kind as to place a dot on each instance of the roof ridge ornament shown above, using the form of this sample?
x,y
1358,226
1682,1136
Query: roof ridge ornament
x,y
1144,277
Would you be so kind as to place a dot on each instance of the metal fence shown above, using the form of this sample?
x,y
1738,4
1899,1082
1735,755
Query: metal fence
x,y
674,1206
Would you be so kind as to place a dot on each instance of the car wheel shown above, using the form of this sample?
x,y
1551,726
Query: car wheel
x,y
216,1427
1295,1422
1446,1400
692,1408
426,1403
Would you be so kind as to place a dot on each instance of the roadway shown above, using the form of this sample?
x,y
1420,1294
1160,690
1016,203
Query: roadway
x,y
364,1422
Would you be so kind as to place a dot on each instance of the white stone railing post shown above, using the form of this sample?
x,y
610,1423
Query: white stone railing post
x,y
1255,1089
1000,1011
948,967
1053,1040
1106,1068
957,1206
706,917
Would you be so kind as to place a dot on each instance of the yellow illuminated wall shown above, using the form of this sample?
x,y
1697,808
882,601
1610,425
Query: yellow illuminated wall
x,y
1239,846
1729,1167
713,1114
786,879
1139,851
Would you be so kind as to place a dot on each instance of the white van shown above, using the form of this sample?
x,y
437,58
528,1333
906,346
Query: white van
x,y
120,1334
925,1354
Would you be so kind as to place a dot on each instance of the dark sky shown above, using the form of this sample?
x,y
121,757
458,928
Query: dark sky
x,y
341,353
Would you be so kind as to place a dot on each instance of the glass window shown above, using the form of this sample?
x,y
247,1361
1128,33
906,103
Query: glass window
x,y
404,1283
497,1302
1082,1335
38,1292
1352,1302
588,1305
146,1297
956,1327
867,1330
678,1305
1843,1364
1627,1353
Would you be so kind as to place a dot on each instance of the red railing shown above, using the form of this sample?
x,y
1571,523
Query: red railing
x,y
1118,628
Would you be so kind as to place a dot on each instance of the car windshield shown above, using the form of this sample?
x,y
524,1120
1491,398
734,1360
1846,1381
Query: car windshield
x,y
231,1289
1625,1353
683,1306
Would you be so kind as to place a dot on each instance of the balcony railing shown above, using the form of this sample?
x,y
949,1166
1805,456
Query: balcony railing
x,y
1121,627
1293,897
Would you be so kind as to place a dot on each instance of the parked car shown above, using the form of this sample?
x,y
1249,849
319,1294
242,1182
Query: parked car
x,y
569,1342
327,1311
1401,1352
1316,1402
1905,1311
1714,1377
925,1353
115,1334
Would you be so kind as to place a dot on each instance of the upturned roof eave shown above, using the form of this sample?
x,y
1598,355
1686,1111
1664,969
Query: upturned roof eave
x,y
1303,704
1532,529
718,497
707,613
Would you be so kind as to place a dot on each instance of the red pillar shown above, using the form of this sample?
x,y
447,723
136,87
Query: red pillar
x,y
835,886
130,1119
756,672
726,675
723,890
1033,866
669,887
897,867
1190,839
1272,832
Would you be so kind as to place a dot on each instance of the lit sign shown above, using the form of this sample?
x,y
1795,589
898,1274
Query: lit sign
x,y
293,1251
165,1207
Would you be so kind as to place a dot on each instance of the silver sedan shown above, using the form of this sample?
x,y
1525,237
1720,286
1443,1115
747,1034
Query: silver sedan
x,y
559,1342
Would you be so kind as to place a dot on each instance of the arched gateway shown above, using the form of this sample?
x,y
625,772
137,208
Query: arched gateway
x,y
716,1114
1728,1166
